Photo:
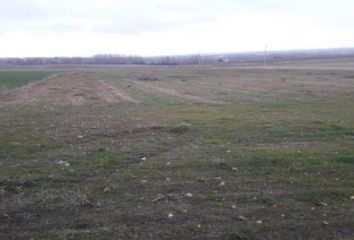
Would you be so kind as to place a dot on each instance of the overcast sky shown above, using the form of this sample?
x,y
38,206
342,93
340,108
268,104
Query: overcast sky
x,y
163,27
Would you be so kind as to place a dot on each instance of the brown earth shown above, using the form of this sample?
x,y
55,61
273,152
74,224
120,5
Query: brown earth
x,y
173,92
75,88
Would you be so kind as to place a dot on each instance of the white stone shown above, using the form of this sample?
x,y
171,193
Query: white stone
x,y
189,195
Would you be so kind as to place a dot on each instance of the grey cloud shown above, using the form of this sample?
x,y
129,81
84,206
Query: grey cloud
x,y
133,27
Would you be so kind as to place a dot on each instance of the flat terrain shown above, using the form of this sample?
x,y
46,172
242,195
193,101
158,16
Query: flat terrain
x,y
13,79
223,151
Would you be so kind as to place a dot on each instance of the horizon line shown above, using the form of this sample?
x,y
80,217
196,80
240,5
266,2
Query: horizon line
x,y
196,54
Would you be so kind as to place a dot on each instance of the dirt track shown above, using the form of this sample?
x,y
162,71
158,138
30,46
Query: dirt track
x,y
76,88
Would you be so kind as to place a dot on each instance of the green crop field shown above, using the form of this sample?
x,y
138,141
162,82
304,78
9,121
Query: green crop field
x,y
13,79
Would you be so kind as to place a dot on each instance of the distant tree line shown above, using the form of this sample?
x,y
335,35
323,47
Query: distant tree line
x,y
99,59
106,59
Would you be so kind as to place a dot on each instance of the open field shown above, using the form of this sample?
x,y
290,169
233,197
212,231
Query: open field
x,y
13,79
180,152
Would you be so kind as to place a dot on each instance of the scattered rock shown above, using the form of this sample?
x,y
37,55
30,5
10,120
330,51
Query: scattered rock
x,y
325,223
233,206
222,183
143,159
80,136
170,215
259,222
189,195
64,163
143,181
242,218
352,197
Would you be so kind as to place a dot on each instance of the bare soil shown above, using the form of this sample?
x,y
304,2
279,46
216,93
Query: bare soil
x,y
76,88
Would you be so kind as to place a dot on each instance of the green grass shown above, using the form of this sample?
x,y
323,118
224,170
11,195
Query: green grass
x,y
13,79
287,163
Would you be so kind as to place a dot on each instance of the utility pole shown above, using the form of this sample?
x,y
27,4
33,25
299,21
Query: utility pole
x,y
265,55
